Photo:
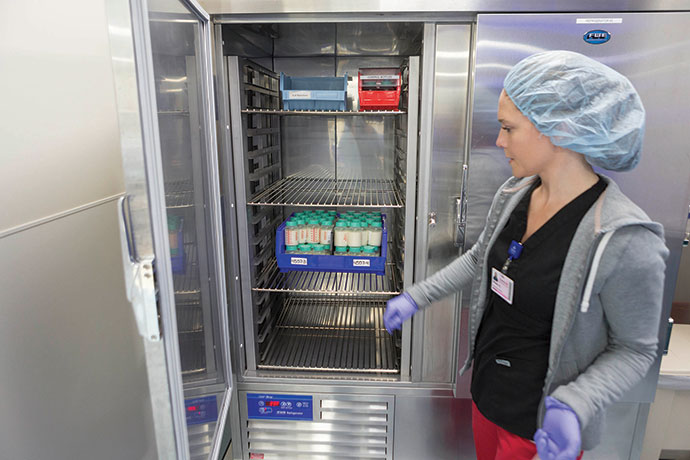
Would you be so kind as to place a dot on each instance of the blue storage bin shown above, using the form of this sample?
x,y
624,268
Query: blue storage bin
x,y
323,263
177,255
314,93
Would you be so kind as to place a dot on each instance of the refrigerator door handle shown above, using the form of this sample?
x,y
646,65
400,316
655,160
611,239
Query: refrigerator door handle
x,y
139,282
460,211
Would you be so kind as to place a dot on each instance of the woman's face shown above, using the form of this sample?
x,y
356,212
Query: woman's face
x,y
528,151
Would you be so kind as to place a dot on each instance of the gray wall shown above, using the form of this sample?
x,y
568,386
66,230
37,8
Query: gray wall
x,y
682,293
72,375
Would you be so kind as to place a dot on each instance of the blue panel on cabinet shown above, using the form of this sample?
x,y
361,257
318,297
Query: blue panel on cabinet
x,y
201,410
279,407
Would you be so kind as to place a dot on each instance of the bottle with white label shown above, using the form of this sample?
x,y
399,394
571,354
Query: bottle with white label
x,y
304,248
340,251
302,235
354,234
326,232
340,238
291,233
375,234
313,231
354,250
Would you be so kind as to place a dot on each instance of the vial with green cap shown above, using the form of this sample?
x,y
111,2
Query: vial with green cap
x,y
291,233
375,232
341,233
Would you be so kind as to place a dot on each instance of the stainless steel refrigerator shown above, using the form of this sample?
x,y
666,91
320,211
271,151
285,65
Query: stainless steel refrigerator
x,y
216,165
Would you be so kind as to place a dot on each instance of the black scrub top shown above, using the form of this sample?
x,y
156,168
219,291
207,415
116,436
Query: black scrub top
x,y
512,348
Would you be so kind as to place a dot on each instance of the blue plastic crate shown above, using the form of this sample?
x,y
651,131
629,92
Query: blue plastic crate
x,y
178,260
333,263
314,93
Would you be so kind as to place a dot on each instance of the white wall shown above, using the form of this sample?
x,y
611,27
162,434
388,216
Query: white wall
x,y
72,370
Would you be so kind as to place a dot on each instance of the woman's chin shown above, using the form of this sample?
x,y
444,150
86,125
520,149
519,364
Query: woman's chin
x,y
517,172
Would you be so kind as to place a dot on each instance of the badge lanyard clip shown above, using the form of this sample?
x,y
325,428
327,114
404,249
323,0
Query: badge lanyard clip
x,y
514,251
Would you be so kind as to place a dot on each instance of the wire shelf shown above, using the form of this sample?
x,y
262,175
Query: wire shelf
x,y
190,319
329,113
187,283
272,280
319,187
192,353
179,194
334,335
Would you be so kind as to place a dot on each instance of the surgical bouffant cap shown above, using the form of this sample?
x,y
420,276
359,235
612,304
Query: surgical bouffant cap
x,y
581,105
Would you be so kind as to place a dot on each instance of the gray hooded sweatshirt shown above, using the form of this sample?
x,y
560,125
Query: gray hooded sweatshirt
x,y
608,305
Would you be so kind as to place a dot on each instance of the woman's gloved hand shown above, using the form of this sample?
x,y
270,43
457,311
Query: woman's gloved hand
x,y
559,436
398,310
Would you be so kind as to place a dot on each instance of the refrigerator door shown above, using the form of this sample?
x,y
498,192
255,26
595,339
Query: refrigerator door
x,y
170,218
659,184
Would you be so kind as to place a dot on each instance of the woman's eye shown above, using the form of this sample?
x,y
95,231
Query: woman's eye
x,y
507,129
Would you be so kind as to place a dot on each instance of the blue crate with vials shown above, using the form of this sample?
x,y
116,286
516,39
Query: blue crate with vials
x,y
331,263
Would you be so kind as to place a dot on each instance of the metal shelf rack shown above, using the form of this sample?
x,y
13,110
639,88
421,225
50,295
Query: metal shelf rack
x,y
179,194
354,284
320,187
187,283
335,335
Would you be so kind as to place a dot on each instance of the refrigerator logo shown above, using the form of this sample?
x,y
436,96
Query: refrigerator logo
x,y
597,37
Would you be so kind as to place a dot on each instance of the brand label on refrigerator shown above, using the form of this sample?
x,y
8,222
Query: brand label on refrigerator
x,y
361,263
599,21
299,95
298,261
597,37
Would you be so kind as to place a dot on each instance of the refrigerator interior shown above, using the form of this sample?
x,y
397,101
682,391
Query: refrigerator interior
x,y
316,324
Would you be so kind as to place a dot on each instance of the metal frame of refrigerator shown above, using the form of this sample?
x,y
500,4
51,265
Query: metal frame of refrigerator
x,y
426,398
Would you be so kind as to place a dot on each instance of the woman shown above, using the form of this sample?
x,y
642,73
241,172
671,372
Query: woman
x,y
567,277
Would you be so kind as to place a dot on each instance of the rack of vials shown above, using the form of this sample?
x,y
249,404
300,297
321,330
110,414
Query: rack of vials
x,y
322,240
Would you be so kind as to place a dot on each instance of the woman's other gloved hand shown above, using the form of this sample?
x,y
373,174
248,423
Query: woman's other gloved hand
x,y
559,436
398,310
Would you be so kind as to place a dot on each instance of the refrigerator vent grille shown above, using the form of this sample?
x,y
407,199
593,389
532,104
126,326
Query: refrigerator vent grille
x,y
201,440
344,427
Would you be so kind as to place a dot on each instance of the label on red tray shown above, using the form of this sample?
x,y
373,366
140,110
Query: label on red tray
x,y
361,263
299,94
298,261
379,77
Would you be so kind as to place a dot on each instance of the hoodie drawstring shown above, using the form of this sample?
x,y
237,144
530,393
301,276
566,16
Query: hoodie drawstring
x,y
584,306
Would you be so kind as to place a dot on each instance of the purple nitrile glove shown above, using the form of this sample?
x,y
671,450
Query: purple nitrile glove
x,y
398,310
559,436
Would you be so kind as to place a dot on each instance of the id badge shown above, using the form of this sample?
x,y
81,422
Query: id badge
x,y
502,285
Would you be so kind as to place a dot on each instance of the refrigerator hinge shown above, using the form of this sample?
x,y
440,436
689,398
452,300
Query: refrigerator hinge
x,y
139,281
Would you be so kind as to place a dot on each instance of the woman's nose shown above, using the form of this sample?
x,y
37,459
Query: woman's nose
x,y
499,140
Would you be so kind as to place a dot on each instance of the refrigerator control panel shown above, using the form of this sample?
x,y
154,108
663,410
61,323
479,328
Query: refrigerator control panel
x,y
264,406
201,410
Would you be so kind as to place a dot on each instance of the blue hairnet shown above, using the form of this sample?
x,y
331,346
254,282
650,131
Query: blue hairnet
x,y
581,105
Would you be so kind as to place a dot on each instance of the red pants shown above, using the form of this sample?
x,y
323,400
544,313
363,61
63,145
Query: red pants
x,y
494,443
